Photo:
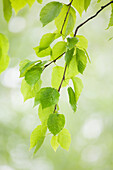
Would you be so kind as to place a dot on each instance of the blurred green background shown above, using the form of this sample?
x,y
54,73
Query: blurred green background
x,y
91,127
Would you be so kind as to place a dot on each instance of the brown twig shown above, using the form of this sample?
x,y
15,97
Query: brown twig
x,y
53,61
63,78
66,16
90,18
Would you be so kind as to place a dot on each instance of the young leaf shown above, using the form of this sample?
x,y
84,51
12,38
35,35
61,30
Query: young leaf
x,y
4,62
70,21
33,75
72,98
39,1
49,12
18,4
28,91
86,4
37,136
39,144
46,40
78,86
71,42
81,60
79,5
4,47
111,19
44,113
57,75
42,53
88,57
58,49
30,2
47,97
55,123
64,139
83,42
54,142
26,65
7,9
72,70
69,56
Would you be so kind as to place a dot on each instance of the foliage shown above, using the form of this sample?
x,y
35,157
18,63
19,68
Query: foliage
x,y
74,49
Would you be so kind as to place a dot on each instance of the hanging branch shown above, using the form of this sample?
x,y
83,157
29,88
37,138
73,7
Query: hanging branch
x,y
90,18
102,7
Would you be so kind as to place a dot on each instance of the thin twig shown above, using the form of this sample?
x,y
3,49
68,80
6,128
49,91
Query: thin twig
x,y
53,61
90,18
63,78
66,16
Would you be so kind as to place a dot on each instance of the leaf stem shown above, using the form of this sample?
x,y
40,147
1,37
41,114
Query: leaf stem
x,y
90,18
66,16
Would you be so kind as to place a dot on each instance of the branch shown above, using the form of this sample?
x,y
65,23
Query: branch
x,y
61,33
90,18
63,78
53,61
66,16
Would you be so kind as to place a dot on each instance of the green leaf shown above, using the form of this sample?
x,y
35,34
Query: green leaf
x,y
49,12
26,65
42,53
71,42
39,144
46,40
54,142
44,113
55,123
30,2
37,137
111,20
47,97
4,58
19,4
88,57
81,60
4,62
33,75
28,91
58,49
70,21
57,75
7,9
79,5
72,70
64,139
69,56
39,1
110,38
86,4
78,86
72,98
83,42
